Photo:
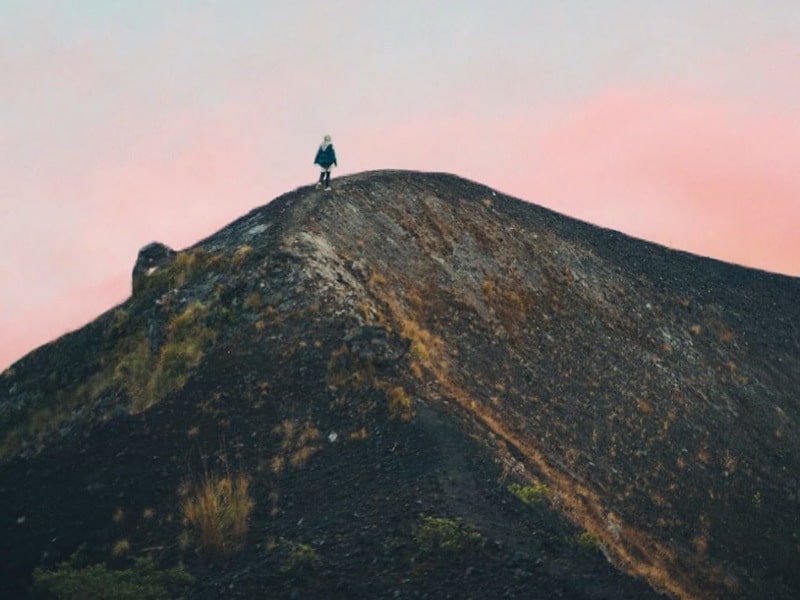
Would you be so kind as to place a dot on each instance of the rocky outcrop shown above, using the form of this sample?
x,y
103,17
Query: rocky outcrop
x,y
152,257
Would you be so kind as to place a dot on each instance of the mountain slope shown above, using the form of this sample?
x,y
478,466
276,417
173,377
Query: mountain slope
x,y
393,366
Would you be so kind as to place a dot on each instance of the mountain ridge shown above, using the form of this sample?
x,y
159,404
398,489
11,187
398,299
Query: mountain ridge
x,y
649,390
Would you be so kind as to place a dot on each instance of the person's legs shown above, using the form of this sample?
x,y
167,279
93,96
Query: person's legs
x,y
327,178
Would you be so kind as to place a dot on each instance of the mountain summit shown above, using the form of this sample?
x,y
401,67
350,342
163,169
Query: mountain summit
x,y
413,386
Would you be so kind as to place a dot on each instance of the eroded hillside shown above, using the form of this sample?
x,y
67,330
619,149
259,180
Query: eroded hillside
x,y
479,396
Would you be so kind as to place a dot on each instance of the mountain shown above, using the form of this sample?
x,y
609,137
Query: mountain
x,y
412,386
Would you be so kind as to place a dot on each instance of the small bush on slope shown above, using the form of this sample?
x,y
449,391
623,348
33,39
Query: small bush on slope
x,y
217,512
143,581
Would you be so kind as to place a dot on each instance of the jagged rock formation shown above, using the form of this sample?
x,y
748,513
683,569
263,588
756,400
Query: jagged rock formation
x,y
151,257
431,389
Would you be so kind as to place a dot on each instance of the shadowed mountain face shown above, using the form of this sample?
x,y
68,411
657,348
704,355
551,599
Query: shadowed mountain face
x,y
413,386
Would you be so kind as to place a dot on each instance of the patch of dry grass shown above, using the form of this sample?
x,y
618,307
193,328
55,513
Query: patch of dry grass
x,y
400,405
348,369
120,547
253,301
242,252
297,445
423,343
217,512
360,434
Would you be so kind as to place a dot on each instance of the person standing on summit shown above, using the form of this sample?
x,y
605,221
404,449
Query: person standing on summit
x,y
326,158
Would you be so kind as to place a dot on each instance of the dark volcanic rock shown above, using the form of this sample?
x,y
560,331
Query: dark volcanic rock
x,y
395,366
151,257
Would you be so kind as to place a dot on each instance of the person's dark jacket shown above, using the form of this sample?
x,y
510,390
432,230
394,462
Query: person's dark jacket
x,y
326,156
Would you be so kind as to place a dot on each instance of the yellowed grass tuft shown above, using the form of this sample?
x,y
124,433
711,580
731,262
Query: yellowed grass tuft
x,y
365,310
423,343
277,464
416,369
297,444
376,279
120,547
242,252
301,455
347,369
253,301
361,434
217,511
400,405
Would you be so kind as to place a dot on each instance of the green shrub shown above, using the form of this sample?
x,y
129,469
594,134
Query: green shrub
x,y
148,377
589,540
436,535
143,581
530,494
301,559
128,364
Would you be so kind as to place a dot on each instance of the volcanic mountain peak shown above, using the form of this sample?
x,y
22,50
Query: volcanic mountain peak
x,y
484,397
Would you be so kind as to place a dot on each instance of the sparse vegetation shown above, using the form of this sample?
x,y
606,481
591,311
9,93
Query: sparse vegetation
x,y
729,462
241,254
530,494
348,369
143,581
507,301
589,540
147,377
217,511
436,535
297,444
144,376
186,265
254,301
416,370
423,344
365,311
400,405
376,279
301,558
120,547
360,434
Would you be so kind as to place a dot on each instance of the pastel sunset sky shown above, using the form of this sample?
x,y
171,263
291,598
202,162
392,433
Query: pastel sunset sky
x,y
124,122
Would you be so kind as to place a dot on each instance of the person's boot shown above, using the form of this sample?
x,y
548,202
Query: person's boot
x,y
327,181
321,178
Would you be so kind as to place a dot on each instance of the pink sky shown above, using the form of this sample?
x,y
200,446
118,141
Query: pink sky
x,y
119,126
